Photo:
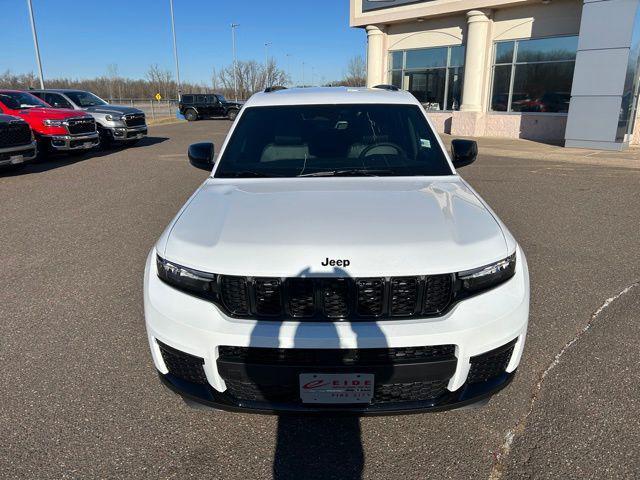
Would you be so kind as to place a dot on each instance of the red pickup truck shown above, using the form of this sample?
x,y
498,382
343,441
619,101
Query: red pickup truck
x,y
55,129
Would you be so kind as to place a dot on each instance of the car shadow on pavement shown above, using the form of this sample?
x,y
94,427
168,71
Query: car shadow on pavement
x,y
324,446
148,141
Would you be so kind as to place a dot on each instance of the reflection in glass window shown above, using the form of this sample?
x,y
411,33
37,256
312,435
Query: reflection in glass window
x,y
433,75
500,95
426,58
533,75
542,87
547,49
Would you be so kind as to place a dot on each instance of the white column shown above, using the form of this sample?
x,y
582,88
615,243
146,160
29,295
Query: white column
x,y
474,60
375,56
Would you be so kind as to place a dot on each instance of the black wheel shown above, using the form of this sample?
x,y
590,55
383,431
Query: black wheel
x,y
232,114
106,141
43,149
191,115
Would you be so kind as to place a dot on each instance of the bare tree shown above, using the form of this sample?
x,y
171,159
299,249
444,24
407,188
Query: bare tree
x,y
112,73
251,77
356,72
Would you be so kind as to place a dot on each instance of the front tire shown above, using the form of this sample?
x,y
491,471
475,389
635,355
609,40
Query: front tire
x,y
191,115
232,114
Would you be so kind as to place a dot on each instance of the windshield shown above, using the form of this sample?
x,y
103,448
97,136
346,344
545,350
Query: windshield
x,y
332,140
20,100
85,99
221,98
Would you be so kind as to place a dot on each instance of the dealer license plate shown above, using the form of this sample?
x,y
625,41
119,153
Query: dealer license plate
x,y
15,159
336,387
88,144
140,135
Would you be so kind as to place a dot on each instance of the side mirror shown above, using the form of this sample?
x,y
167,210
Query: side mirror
x,y
463,152
201,155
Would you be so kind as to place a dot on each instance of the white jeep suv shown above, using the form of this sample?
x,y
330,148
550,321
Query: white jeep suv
x,y
335,261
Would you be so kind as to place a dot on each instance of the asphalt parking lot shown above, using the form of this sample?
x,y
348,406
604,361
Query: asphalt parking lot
x,y
81,398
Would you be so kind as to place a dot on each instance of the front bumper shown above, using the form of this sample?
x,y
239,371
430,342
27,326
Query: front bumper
x,y
18,155
122,134
74,142
474,328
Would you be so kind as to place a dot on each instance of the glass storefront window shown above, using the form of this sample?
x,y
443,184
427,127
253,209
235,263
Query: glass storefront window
x,y
433,75
426,58
533,75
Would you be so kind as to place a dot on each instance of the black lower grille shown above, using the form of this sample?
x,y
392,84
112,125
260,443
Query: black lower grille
x,y
335,298
182,365
337,356
14,134
78,126
383,393
135,120
491,364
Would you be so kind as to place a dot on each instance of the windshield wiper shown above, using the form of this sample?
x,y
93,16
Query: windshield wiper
x,y
350,172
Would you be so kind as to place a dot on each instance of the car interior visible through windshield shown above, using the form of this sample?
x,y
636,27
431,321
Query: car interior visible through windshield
x,y
332,140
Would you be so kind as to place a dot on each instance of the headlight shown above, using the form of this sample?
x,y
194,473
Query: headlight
x,y
483,278
113,118
53,123
194,281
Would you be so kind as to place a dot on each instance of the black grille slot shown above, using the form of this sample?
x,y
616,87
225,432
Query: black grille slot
x,y
13,134
370,296
78,126
135,120
404,296
183,365
234,294
268,296
335,298
337,356
437,293
409,392
491,364
301,294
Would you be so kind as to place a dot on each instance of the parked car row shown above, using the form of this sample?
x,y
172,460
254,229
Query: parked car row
x,y
38,122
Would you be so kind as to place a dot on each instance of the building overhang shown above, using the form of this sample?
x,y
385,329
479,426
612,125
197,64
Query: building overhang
x,y
368,12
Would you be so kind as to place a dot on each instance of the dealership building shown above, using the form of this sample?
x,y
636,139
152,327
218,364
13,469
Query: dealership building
x,y
562,71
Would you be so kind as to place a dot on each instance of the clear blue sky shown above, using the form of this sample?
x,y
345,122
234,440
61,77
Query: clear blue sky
x,y
79,38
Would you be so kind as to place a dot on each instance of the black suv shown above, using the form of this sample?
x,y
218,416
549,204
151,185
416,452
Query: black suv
x,y
195,106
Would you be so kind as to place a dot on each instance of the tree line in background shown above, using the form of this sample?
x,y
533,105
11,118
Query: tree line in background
x,y
250,77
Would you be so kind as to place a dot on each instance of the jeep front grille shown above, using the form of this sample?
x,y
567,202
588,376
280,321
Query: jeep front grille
x,y
14,134
335,298
78,126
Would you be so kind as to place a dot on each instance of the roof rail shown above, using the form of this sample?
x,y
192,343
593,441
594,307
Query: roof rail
x,y
384,86
274,88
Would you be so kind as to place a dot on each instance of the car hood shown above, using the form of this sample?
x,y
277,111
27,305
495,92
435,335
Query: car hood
x,y
51,113
113,109
289,227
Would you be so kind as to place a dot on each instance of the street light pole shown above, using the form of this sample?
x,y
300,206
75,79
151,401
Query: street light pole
x,y
233,52
266,53
35,42
175,48
288,56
